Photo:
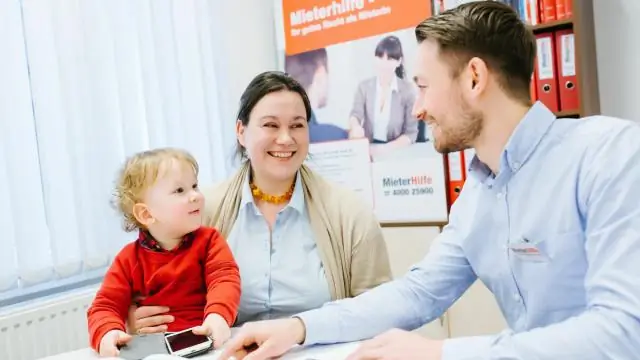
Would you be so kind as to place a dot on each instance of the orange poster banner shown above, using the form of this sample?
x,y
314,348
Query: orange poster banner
x,y
312,24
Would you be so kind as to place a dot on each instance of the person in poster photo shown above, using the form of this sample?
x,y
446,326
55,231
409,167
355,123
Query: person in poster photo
x,y
311,70
382,107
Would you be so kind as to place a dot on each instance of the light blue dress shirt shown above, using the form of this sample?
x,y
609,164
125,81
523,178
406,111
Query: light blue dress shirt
x,y
555,236
280,270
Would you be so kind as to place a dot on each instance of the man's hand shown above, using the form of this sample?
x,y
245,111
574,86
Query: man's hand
x,y
398,344
110,342
215,327
148,319
264,339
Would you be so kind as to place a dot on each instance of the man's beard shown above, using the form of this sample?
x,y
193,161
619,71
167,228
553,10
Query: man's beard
x,y
460,136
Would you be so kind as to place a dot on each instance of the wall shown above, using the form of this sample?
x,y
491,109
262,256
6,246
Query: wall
x,y
618,53
249,44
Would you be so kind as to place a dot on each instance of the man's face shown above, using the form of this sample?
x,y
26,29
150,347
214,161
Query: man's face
x,y
442,102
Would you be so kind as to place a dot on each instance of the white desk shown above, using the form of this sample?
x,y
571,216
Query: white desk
x,y
328,352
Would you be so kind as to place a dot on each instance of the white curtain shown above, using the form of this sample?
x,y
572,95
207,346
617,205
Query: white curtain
x,y
83,84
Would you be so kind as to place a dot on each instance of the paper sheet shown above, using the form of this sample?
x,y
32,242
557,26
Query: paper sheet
x,y
329,352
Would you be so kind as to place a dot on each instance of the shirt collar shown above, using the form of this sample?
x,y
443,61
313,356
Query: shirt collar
x,y
297,198
147,241
522,143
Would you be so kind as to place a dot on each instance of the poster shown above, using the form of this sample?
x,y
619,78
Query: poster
x,y
345,163
355,59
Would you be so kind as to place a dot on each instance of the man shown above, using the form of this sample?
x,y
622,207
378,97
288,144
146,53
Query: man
x,y
311,70
549,218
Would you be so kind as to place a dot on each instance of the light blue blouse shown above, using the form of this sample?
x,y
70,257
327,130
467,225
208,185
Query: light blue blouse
x,y
281,271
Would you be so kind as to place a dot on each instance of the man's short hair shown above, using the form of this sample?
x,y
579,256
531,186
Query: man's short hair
x,y
303,66
491,31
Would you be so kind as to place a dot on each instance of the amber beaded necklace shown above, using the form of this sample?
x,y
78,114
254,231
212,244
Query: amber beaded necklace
x,y
274,199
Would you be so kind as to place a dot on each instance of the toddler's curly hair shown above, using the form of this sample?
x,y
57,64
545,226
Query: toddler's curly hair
x,y
140,171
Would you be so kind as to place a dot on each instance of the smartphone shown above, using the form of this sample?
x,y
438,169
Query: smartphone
x,y
187,344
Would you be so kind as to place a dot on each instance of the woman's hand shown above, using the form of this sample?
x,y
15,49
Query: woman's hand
x,y
356,130
148,319
215,327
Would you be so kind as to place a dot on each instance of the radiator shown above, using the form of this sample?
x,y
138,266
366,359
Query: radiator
x,y
46,328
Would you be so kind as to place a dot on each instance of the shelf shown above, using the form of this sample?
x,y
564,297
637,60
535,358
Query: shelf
x,y
439,224
568,114
552,26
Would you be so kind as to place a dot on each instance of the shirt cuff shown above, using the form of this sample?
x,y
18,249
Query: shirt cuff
x,y
467,348
317,327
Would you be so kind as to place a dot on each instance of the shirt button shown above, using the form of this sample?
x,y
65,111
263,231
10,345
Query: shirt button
x,y
516,166
517,297
499,195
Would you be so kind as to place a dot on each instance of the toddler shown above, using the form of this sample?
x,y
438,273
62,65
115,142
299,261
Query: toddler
x,y
174,262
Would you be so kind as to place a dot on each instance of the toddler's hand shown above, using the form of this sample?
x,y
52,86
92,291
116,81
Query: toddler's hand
x,y
215,327
110,341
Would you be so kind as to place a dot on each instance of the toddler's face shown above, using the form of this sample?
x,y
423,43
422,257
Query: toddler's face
x,y
175,201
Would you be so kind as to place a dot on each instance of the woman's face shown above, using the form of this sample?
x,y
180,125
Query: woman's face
x,y
386,66
276,137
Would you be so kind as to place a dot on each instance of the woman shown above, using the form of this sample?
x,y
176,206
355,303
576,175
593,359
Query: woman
x,y
382,106
299,240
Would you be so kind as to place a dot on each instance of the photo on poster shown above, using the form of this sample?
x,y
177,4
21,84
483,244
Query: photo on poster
x,y
362,89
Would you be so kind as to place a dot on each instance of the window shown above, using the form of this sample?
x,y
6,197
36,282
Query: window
x,y
88,83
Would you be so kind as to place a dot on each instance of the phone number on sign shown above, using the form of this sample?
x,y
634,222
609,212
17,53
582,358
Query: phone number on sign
x,y
413,192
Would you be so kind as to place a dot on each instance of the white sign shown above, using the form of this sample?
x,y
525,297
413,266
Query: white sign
x,y
344,162
403,185
411,188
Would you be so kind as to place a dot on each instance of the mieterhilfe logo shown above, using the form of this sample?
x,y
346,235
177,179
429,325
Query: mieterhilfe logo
x,y
405,181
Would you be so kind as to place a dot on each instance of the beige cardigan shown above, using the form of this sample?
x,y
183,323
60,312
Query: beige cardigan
x,y
348,235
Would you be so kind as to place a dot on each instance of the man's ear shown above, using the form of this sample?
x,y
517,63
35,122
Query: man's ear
x,y
142,214
477,74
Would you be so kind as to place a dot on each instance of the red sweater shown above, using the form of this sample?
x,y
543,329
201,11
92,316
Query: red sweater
x,y
194,281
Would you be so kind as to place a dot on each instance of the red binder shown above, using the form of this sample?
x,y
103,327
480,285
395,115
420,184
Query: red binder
x,y
567,79
568,8
561,11
548,10
457,174
533,87
546,72
532,12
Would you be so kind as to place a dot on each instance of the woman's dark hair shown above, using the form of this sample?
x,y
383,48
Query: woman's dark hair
x,y
392,47
262,85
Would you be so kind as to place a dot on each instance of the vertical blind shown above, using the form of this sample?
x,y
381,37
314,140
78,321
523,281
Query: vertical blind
x,y
83,84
